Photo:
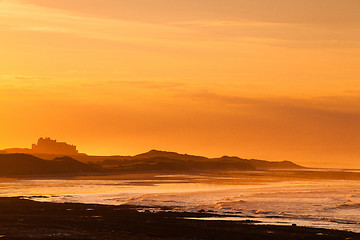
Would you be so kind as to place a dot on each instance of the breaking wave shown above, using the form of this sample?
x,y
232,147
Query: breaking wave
x,y
348,204
227,203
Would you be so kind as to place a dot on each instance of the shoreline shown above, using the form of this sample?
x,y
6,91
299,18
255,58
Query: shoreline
x,y
27,219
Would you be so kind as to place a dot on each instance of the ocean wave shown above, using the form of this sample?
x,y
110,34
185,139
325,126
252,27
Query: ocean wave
x,y
259,211
229,203
348,204
284,214
140,200
353,195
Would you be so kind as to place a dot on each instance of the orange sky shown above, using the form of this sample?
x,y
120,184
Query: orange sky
x,y
269,79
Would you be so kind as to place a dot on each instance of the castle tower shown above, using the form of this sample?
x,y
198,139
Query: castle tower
x,y
49,146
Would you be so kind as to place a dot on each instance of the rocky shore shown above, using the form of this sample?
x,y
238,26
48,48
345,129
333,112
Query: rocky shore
x,y
26,219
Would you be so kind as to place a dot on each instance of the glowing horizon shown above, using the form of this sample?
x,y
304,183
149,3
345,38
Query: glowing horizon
x,y
251,78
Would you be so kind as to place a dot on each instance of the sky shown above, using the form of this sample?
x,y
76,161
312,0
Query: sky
x,y
266,79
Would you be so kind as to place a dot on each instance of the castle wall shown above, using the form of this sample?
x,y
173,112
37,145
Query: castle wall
x,y
47,145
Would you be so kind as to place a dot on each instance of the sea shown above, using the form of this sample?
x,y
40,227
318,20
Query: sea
x,y
233,196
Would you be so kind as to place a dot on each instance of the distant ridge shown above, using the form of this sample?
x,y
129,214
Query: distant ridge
x,y
24,164
50,156
172,161
172,155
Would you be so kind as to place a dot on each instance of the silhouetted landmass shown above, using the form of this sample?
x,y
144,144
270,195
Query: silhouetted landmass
x,y
153,161
24,164
19,161
169,164
262,164
170,155
157,162
171,161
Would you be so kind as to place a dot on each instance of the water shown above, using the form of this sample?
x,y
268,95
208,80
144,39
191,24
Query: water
x,y
331,204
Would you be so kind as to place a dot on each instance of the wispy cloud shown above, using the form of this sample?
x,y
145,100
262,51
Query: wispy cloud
x,y
25,78
219,23
26,17
17,16
347,103
49,84
285,27
149,84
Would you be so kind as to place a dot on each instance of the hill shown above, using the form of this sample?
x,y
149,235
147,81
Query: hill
x,y
171,161
24,164
152,161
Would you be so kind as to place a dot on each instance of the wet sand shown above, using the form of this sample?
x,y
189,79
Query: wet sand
x,y
26,219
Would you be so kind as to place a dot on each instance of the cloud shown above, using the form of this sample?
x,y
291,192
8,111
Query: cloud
x,y
330,12
224,23
303,27
32,18
348,105
27,79
37,87
323,125
24,77
149,84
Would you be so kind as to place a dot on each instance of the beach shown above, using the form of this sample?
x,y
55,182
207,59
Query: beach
x,y
27,219
242,196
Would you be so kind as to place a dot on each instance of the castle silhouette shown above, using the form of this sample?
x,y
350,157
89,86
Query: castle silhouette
x,y
46,146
